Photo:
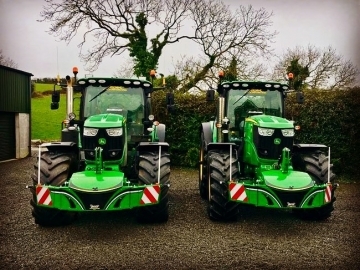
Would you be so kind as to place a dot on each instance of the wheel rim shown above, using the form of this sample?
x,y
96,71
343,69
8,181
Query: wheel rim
x,y
201,164
208,180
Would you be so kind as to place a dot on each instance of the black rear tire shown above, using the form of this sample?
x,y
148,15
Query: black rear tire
x,y
148,174
220,207
317,166
55,169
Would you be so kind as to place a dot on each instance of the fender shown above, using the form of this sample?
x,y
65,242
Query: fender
x,y
152,146
160,131
206,129
305,148
62,146
221,146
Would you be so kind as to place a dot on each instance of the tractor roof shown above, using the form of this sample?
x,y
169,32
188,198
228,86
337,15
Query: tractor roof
x,y
125,82
254,85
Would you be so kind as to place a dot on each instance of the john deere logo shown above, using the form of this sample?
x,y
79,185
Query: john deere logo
x,y
277,141
102,141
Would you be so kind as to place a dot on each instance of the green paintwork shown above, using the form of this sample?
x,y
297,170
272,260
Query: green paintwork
x,y
269,121
105,121
291,181
264,196
285,160
250,152
125,197
79,137
91,181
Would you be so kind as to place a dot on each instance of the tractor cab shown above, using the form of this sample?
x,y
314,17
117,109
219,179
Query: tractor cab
x,y
244,100
109,103
244,103
128,102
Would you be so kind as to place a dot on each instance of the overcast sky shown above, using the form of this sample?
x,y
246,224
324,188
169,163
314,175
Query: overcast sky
x,y
321,23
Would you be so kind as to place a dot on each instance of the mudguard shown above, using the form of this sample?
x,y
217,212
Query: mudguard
x,y
305,148
153,146
221,146
206,129
63,146
160,131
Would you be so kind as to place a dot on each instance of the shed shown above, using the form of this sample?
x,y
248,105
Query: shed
x,y
15,109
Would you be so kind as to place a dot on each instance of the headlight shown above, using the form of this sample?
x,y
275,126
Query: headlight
x,y
90,131
265,131
114,131
288,132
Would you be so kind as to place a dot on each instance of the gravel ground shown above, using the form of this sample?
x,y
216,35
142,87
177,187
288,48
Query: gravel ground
x,y
189,240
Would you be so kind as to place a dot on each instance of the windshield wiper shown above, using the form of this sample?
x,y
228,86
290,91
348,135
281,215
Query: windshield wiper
x,y
241,96
103,91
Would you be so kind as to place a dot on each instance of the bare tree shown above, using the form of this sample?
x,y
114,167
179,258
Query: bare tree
x,y
223,34
6,61
188,67
327,69
124,25
125,69
117,26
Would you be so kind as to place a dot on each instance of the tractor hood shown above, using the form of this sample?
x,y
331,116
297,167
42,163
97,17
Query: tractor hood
x,y
291,181
89,181
269,121
108,120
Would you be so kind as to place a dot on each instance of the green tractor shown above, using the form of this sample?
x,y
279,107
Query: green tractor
x,y
248,156
113,157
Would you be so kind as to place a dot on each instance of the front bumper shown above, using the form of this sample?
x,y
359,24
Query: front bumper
x,y
68,199
264,196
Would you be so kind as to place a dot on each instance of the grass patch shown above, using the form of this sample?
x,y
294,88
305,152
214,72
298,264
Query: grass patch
x,y
46,123
45,87
42,89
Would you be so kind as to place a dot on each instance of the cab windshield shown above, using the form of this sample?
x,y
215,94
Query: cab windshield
x,y
240,102
115,99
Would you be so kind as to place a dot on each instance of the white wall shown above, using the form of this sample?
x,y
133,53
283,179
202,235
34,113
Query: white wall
x,y
22,129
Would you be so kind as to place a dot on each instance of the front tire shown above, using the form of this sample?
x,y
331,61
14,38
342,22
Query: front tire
x,y
317,166
55,169
220,207
148,174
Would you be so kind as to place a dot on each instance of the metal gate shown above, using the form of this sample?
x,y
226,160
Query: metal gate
x,y
7,136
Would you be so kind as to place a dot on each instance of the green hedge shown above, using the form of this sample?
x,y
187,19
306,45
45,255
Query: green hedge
x,y
183,125
331,118
326,117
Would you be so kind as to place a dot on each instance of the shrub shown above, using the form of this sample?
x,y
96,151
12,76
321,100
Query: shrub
x,y
330,118
183,125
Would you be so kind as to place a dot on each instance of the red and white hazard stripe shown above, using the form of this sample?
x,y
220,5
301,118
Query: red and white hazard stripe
x,y
237,192
328,193
43,195
150,195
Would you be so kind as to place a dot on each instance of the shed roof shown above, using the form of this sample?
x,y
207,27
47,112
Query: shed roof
x,y
16,70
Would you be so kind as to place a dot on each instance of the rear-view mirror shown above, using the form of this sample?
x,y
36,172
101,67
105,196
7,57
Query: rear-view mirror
x,y
210,95
170,102
169,98
299,97
54,105
55,97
